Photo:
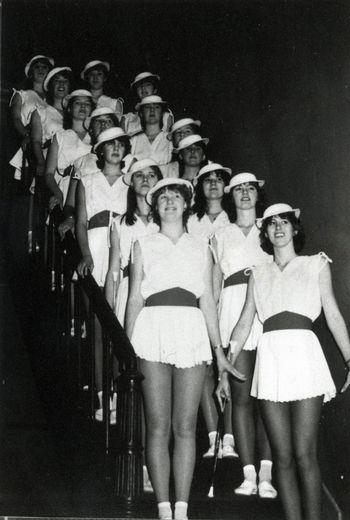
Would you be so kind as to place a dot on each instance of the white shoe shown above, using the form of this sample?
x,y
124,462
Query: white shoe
x,y
229,451
147,484
266,490
99,416
247,488
211,452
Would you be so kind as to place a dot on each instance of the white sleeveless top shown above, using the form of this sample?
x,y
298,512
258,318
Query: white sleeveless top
x,y
30,101
51,121
115,104
129,234
204,227
160,150
100,196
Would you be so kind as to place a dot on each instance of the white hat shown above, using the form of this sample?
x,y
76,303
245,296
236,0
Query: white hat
x,y
170,181
148,100
142,76
76,93
39,57
241,178
211,167
184,122
107,135
53,73
100,111
93,65
138,166
189,140
277,209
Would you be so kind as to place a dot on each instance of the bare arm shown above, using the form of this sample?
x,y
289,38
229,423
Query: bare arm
x,y
36,134
208,308
135,299
113,277
50,168
16,105
86,264
334,318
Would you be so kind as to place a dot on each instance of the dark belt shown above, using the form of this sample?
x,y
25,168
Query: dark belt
x,y
175,297
237,278
286,321
125,271
101,219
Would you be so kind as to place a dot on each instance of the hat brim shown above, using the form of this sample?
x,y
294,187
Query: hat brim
x,y
205,140
259,221
228,188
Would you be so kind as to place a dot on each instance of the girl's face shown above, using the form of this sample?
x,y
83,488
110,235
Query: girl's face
x,y
213,186
39,70
144,180
81,107
100,123
96,78
193,155
61,86
170,205
245,195
145,88
114,151
181,133
280,231
152,113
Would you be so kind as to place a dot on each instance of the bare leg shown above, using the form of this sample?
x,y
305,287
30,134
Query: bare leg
x,y
278,422
305,420
207,401
187,391
157,387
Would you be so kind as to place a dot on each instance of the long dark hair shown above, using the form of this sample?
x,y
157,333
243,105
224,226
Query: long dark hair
x,y
199,207
298,237
100,158
131,203
186,194
260,207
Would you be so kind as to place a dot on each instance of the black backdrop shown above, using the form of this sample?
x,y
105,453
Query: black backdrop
x,y
270,82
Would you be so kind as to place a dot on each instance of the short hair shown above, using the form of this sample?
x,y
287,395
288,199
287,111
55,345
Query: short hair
x,y
164,109
100,157
149,79
184,191
298,238
67,74
200,204
260,207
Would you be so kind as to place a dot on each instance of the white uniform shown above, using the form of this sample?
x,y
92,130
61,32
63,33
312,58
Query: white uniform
x,y
172,334
99,197
237,252
160,150
70,148
204,227
132,123
115,104
127,236
290,363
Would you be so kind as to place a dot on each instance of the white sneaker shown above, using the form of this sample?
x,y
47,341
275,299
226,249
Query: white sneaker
x,y
211,452
266,490
247,488
229,451
99,416
147,484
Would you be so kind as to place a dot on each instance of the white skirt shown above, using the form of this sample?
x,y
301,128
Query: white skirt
x,y
290,366
98,245
174,335
122,297
231,303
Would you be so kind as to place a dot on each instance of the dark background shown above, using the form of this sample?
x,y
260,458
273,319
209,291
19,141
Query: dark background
x,y
270,82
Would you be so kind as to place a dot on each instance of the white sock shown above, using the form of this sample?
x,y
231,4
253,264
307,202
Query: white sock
x,y
249,472
212,437
265,471
181,510
228,440
99,395
164,511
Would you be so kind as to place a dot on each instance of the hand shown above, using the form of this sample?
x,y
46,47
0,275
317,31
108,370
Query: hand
x,y
85,265
224,365
66,225
347,382
56,200
223,391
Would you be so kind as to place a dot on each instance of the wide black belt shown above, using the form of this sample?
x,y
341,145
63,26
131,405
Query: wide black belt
x,y
287,320
172,297
101,219
237,278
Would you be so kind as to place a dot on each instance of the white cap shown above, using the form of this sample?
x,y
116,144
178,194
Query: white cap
x,y
92,65
148,100
53,73
189,140
100,111
241,178
107,135
170,181
211,167
76,93
184,122
138,166
142,76
277,209
39,57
